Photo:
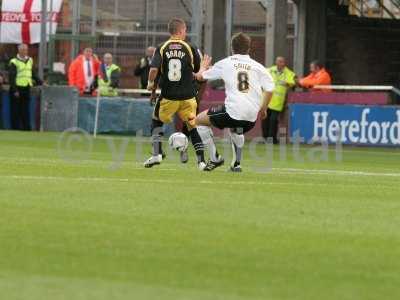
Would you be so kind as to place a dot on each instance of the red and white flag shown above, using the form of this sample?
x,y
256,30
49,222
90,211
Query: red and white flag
x,y
20,20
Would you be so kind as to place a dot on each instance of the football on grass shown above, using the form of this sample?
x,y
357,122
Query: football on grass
x,y
178,141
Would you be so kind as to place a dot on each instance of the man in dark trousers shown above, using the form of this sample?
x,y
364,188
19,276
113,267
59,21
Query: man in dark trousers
x,y
143,67
284,79
21,78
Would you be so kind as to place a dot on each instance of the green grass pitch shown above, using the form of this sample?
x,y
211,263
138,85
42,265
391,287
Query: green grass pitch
x,y
78,225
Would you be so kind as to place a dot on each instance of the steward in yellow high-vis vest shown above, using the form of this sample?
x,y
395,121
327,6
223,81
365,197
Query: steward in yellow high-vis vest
x,y
21,78
284,80
108,81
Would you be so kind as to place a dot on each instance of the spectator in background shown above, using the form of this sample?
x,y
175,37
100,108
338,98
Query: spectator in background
x,y
318,76
143,67
83,72
109,76
21,78
1,100
284,79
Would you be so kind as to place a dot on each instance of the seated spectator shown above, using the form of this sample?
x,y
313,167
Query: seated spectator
x,y
109,76
318,76
143,67
83,72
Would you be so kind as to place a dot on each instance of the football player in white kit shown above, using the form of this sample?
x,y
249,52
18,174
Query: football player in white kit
x,y
248,88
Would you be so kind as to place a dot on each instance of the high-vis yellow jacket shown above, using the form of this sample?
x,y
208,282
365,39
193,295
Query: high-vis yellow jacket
x,y
283,81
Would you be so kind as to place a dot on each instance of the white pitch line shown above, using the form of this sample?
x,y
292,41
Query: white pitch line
x,y
334,172
138,180
83,163
168,167
30,177
169,181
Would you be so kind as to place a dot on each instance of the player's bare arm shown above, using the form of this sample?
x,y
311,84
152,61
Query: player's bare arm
x,y
152,77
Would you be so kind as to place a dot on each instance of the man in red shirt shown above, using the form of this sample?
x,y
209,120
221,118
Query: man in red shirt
x,y
318,76
83,72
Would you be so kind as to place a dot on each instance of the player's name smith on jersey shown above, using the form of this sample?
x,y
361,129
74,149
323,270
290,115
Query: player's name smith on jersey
x,y
240,66
175,54
371,129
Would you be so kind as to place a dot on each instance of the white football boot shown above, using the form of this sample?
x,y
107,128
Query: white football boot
x,y
152,161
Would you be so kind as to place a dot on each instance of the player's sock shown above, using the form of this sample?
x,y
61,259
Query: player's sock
x,y
207,135
214,155
237,146
197,144
237,155
185,130
184,156
156,134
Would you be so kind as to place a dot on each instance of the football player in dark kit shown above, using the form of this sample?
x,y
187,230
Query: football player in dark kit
x,y
200,87
175,61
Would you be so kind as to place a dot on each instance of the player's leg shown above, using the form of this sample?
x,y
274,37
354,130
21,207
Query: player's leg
x,y
187,112
204,124
163,113
156,135
237,141
204,128
207,137
184,154
203,119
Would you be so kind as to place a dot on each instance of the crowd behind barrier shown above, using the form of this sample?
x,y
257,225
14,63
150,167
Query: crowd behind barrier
x,y
127,114
102,107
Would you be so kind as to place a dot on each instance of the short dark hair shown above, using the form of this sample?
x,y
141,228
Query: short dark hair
x,y
175,24
241,43
317,63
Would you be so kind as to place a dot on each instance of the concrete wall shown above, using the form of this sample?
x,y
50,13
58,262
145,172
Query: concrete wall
x,y
363,50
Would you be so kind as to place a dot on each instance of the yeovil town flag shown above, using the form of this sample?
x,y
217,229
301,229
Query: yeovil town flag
x,y
20,20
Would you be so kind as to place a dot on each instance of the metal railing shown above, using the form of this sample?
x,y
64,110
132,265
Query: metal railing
x,y
376,88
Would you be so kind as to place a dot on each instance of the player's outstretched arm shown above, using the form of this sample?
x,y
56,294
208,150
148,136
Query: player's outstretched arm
x,y
204,65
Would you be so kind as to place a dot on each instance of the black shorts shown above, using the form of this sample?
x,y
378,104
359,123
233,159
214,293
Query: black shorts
x,y
221,119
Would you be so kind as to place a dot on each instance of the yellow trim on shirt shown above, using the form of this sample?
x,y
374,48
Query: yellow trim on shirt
x,y
186,45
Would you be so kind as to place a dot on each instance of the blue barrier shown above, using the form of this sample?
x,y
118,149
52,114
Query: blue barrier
x,y
349,124
7,114
118,115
